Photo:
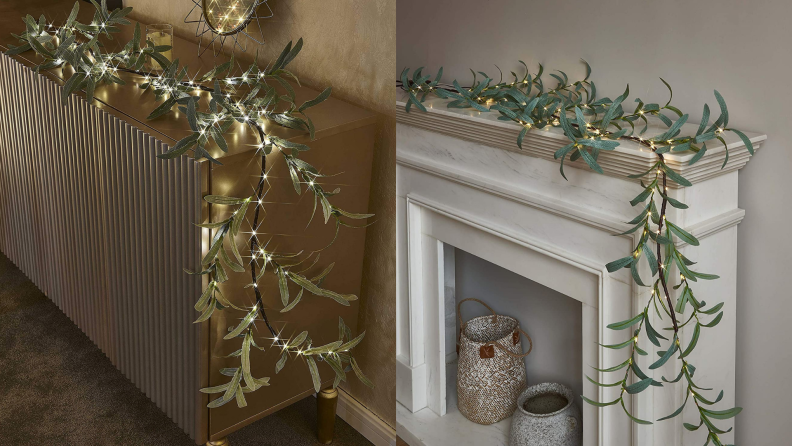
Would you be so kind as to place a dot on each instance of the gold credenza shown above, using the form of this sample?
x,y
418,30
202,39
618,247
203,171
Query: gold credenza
x,y
104,228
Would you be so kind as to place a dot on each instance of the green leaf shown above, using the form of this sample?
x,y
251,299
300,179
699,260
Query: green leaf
x,y
675,203
693,341
637,420
235,380
14,50
521,136
614,368
613,109
604,385
618,264
351,344
181,146
353,215
640,198
39,48
293,52
243,325
283,286
192,117
691,427
682,234
239,217
246,362
203,301
216,389
281,362
634,272
563,151
708,402
714,321
327,348
337,368
590,160
226,201
722,414
594,403
217,403
207,313
360,374
293,303
306,284
626,323
705,276
71,85
236,267
618,346
672,131
674,176
724,117
299,339
712,310
652,334
666,355
704,120
745,140
89,89
650,258
599,143
317,382
676,412
163,108
639,386
566,126
641,375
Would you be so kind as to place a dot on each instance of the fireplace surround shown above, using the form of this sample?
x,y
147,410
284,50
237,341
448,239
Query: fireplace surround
x,y
462,181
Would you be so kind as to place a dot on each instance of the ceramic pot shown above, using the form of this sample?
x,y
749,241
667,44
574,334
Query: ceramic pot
x,y
547,415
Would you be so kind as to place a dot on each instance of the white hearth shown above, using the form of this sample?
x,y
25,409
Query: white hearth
x,y
463,182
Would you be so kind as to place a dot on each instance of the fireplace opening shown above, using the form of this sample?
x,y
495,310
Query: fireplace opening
x,y
552,319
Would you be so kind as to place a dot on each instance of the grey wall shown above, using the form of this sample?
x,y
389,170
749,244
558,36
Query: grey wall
x,y
551,319
741,48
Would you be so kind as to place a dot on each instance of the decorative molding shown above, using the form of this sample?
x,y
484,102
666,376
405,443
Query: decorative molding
x,y
365,421
628,159
595,309
486,184
567,210
715,224
411,380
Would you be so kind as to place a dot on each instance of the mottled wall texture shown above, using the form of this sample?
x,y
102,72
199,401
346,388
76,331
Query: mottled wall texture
x,y
728,45
349,45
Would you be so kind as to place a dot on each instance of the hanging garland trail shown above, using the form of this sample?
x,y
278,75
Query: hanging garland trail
x,y
249,100
592,125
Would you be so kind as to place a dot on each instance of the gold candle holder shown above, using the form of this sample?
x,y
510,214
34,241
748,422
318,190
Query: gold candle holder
x,y
160,34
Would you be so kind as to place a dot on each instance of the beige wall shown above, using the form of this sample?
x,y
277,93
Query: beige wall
x,y
739,47
349,45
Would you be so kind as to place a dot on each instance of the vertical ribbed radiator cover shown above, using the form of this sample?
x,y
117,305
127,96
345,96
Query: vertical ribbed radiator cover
x,y
103,227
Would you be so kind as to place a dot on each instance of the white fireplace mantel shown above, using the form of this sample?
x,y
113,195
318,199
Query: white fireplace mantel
x,y
461,180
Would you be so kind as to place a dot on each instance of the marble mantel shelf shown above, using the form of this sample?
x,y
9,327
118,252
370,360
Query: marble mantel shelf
x,y
628,159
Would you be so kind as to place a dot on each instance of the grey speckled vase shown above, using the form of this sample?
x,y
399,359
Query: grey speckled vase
x,y
547,415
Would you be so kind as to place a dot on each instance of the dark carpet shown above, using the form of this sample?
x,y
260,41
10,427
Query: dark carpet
x,y
58,388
